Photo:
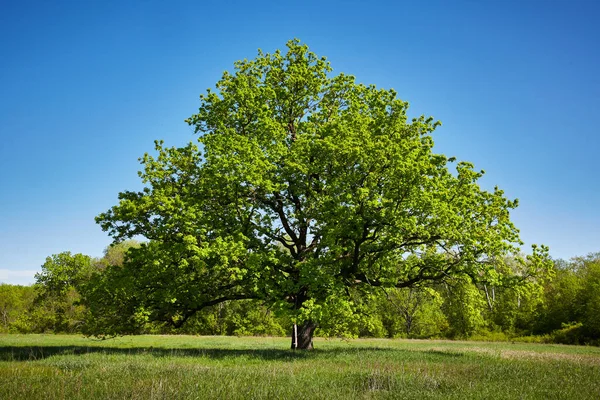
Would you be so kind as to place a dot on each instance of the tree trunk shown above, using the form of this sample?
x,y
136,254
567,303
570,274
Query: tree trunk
x,y
408,325
302,336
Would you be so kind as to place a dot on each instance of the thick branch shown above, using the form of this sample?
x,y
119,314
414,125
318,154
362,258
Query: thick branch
x,y
190,313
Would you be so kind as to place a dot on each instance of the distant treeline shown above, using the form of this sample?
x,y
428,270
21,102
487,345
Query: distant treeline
x,y
560,307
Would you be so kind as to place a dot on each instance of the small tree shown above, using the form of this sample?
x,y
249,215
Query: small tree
x,y
305,185
56,306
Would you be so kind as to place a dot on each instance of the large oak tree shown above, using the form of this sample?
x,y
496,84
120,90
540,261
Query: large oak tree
x,y
305,187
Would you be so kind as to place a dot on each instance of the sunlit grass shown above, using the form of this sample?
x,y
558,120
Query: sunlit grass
x,y
189,367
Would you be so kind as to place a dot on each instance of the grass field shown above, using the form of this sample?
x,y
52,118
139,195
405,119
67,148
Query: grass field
x,y
192,367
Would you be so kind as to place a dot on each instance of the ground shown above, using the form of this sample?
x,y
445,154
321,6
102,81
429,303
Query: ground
x,y
196,367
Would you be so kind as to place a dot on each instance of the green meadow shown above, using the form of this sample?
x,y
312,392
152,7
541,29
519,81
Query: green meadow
x,y
206,367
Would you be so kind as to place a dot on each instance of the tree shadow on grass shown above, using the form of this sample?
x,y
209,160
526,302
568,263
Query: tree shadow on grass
x,y
32,353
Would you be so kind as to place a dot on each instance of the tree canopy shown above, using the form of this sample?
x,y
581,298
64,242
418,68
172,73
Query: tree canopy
x,y
304,188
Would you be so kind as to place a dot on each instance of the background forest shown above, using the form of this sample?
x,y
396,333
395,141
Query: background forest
x,y
560,307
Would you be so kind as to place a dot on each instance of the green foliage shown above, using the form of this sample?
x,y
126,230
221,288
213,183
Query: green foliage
x,y
239,318
412,312
56,306
511,308
589,296
560,296
116,253
62,272
53,303
463,307
573,333
562,312
15,300
306,186
572,302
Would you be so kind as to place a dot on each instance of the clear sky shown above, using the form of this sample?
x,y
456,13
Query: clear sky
x,y
87,86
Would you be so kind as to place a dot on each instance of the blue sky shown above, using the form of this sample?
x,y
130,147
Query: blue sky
x,y
86,86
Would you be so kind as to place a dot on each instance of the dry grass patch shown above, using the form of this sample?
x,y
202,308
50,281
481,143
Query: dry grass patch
x,y
588,359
